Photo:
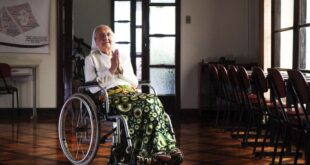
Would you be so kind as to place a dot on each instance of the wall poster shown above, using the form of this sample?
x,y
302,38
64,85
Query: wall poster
x,y
24,26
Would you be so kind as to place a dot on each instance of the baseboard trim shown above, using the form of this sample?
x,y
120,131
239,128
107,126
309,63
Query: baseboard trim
x,y
194,113
27,112
197,113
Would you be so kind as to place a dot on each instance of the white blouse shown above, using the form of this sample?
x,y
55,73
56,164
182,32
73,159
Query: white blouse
x,y
97,65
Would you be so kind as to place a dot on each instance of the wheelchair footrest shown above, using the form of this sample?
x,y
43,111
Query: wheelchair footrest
x,y
105,138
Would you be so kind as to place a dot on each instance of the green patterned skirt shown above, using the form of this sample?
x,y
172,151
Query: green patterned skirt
x,y
148,123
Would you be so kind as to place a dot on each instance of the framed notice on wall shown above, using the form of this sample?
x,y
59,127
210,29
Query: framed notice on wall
x,y
24,26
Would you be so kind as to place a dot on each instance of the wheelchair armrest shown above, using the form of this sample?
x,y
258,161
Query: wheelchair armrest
x,y
95,83
88,84
148,85
91,83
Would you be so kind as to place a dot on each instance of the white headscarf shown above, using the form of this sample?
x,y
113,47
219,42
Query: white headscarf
x,y
94,46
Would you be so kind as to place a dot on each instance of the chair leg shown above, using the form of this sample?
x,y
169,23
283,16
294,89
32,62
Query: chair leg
x,y
238,126
13,100
258,133
307,150
17,100
227,120
298,148
218,111
247,129
12,110
285,136
235,116
267,131
275,147
17,104
308,158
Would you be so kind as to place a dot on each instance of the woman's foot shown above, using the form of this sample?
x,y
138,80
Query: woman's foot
x,y
162,157
176,157
144,161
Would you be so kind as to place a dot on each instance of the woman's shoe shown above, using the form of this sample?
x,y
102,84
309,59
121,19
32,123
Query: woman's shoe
x,y
144,161
162,157
176,157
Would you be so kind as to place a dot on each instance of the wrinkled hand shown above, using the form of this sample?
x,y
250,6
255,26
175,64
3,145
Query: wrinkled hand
x,y
115,64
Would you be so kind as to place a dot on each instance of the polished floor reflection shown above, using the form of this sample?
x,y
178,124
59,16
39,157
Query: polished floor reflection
x,y
36,142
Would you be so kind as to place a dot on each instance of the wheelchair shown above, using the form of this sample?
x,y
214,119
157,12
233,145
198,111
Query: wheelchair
x,y
79,128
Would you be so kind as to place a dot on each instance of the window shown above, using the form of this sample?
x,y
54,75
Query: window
x,y
291,31
153,40
162,45
283,33
304,35
126,18
157,42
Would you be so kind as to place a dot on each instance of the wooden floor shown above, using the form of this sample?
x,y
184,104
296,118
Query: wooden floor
x,y
36,142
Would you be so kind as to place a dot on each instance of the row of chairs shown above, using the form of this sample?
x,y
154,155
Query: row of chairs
x,y
264,109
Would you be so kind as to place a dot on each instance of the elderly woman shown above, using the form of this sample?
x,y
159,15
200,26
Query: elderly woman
x,y
147,121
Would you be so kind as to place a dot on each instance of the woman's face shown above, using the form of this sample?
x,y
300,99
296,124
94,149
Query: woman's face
x,y
104,39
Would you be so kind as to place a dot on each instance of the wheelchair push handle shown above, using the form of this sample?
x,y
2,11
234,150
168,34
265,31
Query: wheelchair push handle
x,y
146,83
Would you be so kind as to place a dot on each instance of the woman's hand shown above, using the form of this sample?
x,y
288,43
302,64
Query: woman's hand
x,y
115,64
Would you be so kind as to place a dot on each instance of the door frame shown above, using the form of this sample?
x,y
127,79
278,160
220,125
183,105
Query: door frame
x,y
171,109
64,48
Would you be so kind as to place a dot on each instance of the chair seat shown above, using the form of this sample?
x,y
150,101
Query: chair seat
x,y
302,123
9,90
253,98
292,111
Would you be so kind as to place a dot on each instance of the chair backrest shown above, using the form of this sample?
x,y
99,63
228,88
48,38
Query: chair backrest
x,y
5,70
300,85
301,94
233,77
214,73
278,82
278,91
222,72
244,80
234,83
261,86
224,82
259,79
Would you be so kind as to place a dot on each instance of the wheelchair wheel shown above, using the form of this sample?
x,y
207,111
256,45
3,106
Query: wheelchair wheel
x,y
79,129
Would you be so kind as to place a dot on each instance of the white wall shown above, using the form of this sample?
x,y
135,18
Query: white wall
x,y
86,15
218,28
46,71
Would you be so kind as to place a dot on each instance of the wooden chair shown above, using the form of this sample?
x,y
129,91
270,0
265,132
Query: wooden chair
x,y
6,86
214,88
224,94
261,87
236,101
249,101
301,95
286,114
